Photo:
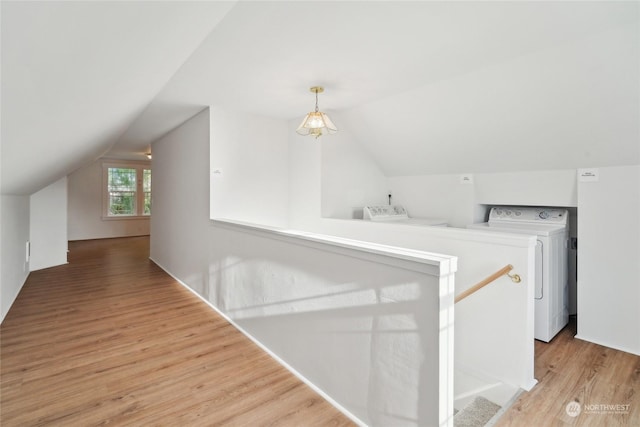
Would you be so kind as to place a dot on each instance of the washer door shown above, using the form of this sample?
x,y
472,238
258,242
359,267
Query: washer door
x,y
539,272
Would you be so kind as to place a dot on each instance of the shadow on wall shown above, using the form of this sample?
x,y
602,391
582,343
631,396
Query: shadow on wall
x,y
365,333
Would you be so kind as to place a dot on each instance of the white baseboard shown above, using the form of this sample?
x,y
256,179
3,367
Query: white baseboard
x,y
602,343
530,385
268,351
13,298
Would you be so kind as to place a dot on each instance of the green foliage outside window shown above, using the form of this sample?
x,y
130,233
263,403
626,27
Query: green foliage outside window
x,y
122,191
146,187
129,191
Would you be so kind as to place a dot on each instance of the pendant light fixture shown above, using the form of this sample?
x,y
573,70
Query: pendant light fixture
x,y
316,121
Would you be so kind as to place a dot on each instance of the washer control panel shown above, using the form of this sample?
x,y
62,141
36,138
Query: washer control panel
x,y
521,214
384,212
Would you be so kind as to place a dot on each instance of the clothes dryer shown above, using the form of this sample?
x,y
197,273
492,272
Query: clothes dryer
x,y
550,226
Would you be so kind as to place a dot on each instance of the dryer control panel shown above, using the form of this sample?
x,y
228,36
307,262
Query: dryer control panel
x,y
384,213
503,215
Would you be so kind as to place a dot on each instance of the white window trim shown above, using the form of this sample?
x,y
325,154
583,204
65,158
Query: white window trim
x,y
139,166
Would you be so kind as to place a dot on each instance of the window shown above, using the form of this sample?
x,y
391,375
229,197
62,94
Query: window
x,y
127,190
146,187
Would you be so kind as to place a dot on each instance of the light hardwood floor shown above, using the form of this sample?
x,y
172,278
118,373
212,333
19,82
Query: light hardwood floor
x,y
572,370
112,339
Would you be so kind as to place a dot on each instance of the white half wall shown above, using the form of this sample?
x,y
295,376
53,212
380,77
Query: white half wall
x,y
249,168
346,324
484,342
609,258
48,226
14,266
371,331
86,208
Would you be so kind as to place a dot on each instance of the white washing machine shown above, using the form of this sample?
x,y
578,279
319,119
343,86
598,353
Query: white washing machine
x,y
398,214
550,225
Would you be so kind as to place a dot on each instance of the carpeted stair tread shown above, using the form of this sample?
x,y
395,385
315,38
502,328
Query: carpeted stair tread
x,y
476,414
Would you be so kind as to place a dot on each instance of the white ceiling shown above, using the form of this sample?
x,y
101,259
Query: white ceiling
x,y
75,75
78,84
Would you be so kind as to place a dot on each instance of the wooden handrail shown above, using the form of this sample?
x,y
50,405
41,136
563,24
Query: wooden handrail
x,y
504,270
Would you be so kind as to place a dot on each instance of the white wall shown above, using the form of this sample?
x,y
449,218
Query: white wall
x,y
351,178
484,342
445,196
605,313
330,316
180,220
14,267
609,259
478,259
373,334
249,167
435,196
305,177
86,208
527,188
48,226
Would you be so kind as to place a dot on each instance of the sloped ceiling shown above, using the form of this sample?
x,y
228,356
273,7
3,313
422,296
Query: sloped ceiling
x,y
574,105
75,75
426,87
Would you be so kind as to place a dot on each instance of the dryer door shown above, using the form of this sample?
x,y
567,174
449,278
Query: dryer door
x,y
539,270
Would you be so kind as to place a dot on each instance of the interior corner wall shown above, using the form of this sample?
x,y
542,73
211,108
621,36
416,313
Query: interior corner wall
x,y
85,209
305,188
180,220
48,226
14,266
350,177
609,250
435,196
249,168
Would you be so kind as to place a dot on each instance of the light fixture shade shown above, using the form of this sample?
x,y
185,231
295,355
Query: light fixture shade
x,y
316,121
314,124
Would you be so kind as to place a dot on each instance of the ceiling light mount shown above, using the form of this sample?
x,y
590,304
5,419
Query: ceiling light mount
x,y
316,121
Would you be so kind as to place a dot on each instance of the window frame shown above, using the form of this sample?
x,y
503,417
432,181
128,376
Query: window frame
x,y
140,167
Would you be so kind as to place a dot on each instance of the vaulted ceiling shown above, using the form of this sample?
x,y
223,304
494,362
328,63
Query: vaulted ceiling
x,y
76,75
426,87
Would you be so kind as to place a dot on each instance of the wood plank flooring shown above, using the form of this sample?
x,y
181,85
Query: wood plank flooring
x,y
112,339
569,369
